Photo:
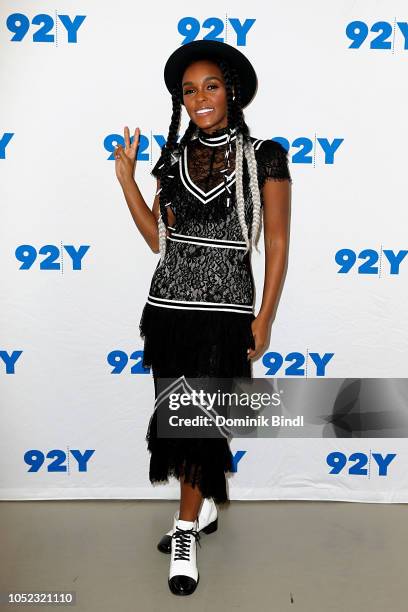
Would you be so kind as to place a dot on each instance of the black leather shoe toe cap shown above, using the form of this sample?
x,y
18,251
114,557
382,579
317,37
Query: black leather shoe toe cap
x,y
182,585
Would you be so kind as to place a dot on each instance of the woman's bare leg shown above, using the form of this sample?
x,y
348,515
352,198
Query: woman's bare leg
x,y
190,501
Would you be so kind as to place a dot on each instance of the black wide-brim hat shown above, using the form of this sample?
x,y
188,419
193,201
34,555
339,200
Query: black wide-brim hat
x,y
211,49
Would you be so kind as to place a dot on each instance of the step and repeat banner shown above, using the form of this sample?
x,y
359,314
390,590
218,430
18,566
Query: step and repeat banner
x,y
75,271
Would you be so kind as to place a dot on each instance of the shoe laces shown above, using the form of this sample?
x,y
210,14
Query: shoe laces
x,y
182,542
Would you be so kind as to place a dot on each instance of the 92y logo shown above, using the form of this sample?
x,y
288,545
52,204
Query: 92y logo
x,y
62,461
122,362
144,150
381,35
215,28
371,261
19,25
28,255
356,463
295,363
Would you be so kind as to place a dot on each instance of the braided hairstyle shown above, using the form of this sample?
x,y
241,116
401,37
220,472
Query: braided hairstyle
x,y
244,149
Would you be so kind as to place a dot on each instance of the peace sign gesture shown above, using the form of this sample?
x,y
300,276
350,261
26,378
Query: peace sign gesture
x,y
125,158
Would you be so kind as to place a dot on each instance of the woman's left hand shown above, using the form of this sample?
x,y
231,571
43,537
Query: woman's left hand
x,y
260,334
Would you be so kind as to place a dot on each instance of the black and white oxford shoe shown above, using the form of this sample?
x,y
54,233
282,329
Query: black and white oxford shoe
x,y
183,575
207,523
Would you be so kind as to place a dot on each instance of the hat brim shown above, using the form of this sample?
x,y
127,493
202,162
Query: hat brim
x,y
211,49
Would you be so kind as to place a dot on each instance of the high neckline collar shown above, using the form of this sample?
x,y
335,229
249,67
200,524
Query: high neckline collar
x,y
216,138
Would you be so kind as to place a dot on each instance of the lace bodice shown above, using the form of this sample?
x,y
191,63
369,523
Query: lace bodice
x,y
206,265
206,162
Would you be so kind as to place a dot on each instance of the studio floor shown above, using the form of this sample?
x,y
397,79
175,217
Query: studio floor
x,y
265,556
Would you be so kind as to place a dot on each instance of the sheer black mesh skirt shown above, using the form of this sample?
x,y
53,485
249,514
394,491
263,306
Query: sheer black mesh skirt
x,y
194,343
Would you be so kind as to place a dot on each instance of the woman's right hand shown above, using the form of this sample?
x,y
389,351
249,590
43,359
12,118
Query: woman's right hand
x,y
125,158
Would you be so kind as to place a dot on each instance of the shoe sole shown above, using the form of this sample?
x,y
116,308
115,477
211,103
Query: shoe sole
x,y
164,546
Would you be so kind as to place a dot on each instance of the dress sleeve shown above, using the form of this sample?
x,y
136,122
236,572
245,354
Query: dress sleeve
x,y
272,162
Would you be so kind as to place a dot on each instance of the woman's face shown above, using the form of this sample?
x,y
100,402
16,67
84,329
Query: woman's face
x,y
204,90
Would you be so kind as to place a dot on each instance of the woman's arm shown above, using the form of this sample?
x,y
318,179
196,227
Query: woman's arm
x,y
144,218
276,197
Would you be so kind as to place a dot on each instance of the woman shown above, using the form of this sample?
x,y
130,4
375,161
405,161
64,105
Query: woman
x,y
198,321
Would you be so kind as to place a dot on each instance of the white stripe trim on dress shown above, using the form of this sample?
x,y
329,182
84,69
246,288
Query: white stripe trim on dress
x,y
205,238
243,306
217,141
225,240
198,308
203,302
218,246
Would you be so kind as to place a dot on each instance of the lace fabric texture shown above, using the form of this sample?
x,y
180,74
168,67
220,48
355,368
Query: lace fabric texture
x,y
197,319
205,164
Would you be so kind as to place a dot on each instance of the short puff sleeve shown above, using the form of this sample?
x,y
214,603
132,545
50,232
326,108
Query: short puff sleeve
x,y
272,162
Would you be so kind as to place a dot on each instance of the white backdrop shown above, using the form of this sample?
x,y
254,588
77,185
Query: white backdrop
x,y
74,402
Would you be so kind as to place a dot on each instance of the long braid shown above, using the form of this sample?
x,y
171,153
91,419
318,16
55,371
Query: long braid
x,y
165,178
190,131
239,189
238,115
167,152
244,149
236,121
249,153
255,195
243,142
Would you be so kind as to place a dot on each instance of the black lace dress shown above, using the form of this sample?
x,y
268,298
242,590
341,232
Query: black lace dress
x,y
197,318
